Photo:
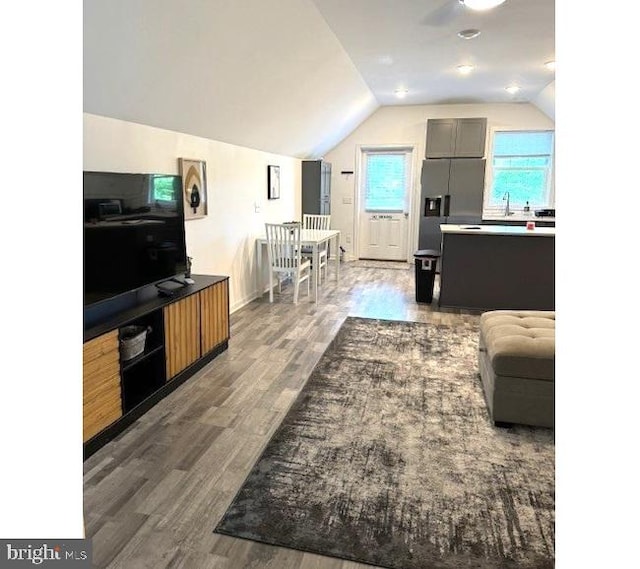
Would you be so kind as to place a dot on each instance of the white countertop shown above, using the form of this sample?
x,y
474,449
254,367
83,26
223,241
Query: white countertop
x,y
498,230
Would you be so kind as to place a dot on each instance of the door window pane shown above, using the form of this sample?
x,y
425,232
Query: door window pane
x,y
385,181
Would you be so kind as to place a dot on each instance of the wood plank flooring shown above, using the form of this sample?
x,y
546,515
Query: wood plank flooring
x,y
153,495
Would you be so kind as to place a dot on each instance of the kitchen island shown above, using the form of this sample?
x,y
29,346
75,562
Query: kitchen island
x,y
488,267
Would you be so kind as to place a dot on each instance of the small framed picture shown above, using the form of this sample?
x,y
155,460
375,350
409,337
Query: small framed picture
x,y
273,181
194,187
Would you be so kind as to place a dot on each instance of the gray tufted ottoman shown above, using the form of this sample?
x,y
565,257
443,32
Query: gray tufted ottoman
x,y
517,365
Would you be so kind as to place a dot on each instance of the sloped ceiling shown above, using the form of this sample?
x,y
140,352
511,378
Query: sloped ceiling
x,y
546,100
266,74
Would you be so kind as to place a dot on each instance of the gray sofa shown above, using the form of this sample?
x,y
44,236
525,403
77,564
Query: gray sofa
x,y
516,358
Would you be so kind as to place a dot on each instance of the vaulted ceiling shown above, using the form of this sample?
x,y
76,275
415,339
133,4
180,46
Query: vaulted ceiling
x,y
414,44
295,77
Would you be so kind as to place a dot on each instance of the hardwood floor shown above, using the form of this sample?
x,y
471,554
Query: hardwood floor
x,y
153,495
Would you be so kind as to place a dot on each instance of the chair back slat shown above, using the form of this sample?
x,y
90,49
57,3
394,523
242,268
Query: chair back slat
x,y
312,221
283,245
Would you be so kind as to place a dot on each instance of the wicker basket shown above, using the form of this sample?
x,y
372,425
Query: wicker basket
x,y
132,341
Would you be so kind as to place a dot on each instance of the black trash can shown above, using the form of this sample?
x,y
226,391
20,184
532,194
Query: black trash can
x,y
426,261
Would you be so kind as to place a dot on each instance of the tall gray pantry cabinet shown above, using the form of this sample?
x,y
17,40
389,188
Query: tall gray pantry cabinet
x,y
316,187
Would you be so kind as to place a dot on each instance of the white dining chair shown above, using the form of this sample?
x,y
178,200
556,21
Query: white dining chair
x,y
313,221
285,257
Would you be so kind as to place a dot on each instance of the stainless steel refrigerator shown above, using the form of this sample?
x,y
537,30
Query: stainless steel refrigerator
x,y
452,190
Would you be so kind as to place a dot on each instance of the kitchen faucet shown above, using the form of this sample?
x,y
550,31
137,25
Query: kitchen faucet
x,y
507,210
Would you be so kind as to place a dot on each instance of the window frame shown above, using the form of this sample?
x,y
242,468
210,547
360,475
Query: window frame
x,y
488,209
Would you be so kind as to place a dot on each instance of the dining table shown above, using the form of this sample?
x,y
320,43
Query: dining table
x,y
313,239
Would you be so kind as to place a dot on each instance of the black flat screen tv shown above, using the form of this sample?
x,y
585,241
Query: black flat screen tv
x,y
133,232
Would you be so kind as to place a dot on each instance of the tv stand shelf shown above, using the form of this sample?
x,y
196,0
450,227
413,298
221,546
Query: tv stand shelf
x,y
187,330
148,352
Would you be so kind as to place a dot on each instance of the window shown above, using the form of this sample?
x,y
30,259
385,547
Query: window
x,y
386,176
522,170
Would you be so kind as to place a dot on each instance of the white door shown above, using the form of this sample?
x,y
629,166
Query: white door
x,y
385,182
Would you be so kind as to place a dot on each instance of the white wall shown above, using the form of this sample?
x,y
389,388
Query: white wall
x,y
223,242
408,125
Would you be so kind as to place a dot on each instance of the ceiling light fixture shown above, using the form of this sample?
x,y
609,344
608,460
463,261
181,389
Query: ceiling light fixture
x,y
401,93
551,65
468,34
513,89
481,4
465,69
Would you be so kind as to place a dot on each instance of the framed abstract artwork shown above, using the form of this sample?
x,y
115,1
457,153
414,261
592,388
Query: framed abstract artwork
x,y
194,187
273,182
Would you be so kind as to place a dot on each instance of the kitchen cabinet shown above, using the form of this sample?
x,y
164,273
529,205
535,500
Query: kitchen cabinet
x,y
316,187
497,268
456,138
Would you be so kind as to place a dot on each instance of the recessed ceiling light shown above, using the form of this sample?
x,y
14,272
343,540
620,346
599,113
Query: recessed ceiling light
x,y
551,65
401,92
513,89
468,34
465,69
481,4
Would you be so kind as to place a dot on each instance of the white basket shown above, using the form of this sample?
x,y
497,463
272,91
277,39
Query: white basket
x,y
132,341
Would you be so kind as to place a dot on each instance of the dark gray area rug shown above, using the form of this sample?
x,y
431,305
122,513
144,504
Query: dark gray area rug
x,y
388,457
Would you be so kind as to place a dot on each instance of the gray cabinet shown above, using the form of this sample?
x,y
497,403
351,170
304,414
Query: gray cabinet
x,y
441,138
497,272
456,138
316,187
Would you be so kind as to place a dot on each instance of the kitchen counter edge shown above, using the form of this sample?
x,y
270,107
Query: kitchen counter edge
x,y
517,230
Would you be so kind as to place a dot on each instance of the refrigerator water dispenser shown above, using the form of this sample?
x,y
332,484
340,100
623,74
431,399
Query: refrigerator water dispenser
x,y
433,206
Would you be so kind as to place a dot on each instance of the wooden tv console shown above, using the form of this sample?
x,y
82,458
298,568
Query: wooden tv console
x,y
188,330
